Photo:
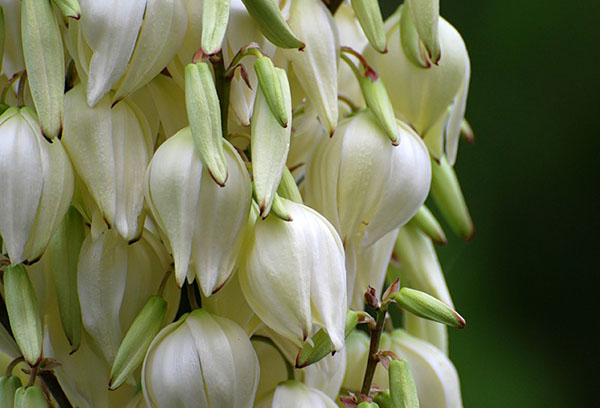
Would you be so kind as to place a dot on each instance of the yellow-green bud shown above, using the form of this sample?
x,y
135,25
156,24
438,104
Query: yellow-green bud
x,y
426,306
69,8
8,387
427,223
403,390
272,24
30,397
215,15
369,16
273,86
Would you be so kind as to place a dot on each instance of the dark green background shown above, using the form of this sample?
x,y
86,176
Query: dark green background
x,y
528,282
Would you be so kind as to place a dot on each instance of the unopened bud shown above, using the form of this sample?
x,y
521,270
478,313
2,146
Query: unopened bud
x,y
384,400
426,306
273,83
8,387
427,223
379,103
403,390
369,16
272,24
23,313
137,340
215,15
30,397
425,15
204,114
366,404
288,187
69,8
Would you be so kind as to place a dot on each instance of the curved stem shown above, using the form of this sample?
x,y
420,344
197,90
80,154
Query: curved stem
x,y
373,348
12,365
266,340
163,282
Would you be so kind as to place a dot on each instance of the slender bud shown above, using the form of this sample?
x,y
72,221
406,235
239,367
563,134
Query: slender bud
x,y
45,62
378,101
427,223
448,196
8,387
270,142
69,8
137,340
426,14
402,385
288,187
204,114
319,346
275,88
272,24
426,306
30,397
215,15
23,313
63,255
369,15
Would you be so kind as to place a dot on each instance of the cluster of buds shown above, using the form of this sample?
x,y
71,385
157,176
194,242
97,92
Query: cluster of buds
x,y
215,203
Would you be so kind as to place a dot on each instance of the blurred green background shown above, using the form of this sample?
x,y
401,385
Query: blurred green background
x,y
528,282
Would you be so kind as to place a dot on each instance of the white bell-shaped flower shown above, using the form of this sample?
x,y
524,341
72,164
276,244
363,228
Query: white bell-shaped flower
x,y
203,223
292,273
431,100
200,361
110,147
36,180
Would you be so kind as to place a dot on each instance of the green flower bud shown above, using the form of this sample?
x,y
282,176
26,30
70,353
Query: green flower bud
x,y
137,340
204,113
427,223
368,14
30,397
384,400
272,24
423,305
316,66
425,16
448,196
402,385
23,313
63,255
45,62
288,187
69,8
378,101
215,15
8,387
275,89
270,142
320,345
366,404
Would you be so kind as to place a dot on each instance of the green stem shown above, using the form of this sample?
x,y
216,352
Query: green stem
x,y
373,348
53,385
163,282
266,340
12,365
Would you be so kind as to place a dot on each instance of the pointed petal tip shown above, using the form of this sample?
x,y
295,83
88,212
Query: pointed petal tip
x,y
221,181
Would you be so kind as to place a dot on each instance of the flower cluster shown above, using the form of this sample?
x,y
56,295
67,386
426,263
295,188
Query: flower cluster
x,y
210,203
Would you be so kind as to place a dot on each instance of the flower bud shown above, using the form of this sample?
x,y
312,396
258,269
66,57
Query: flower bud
x,y
215,15
429,225
288,187
423,97
30,397
316,65
449,198
63,256
424,17
23,313
270,141
366,404
69,8
204,113
379,103
369,16
110,148
202,222
402,385
137,340
8,387
292,272
272,24
275,89
45,63
426,306
36,179
294,394
201,361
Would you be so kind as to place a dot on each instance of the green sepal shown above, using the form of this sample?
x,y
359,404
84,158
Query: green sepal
x,y
8,387
204,115
425,15
426,306
63,254
409,40
279,210
403,390
69,8
137,340
45,62
430,226
272,86
370,19
321,344
215,15
288,187
448,196
384,400
272,24
23,313
30,397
